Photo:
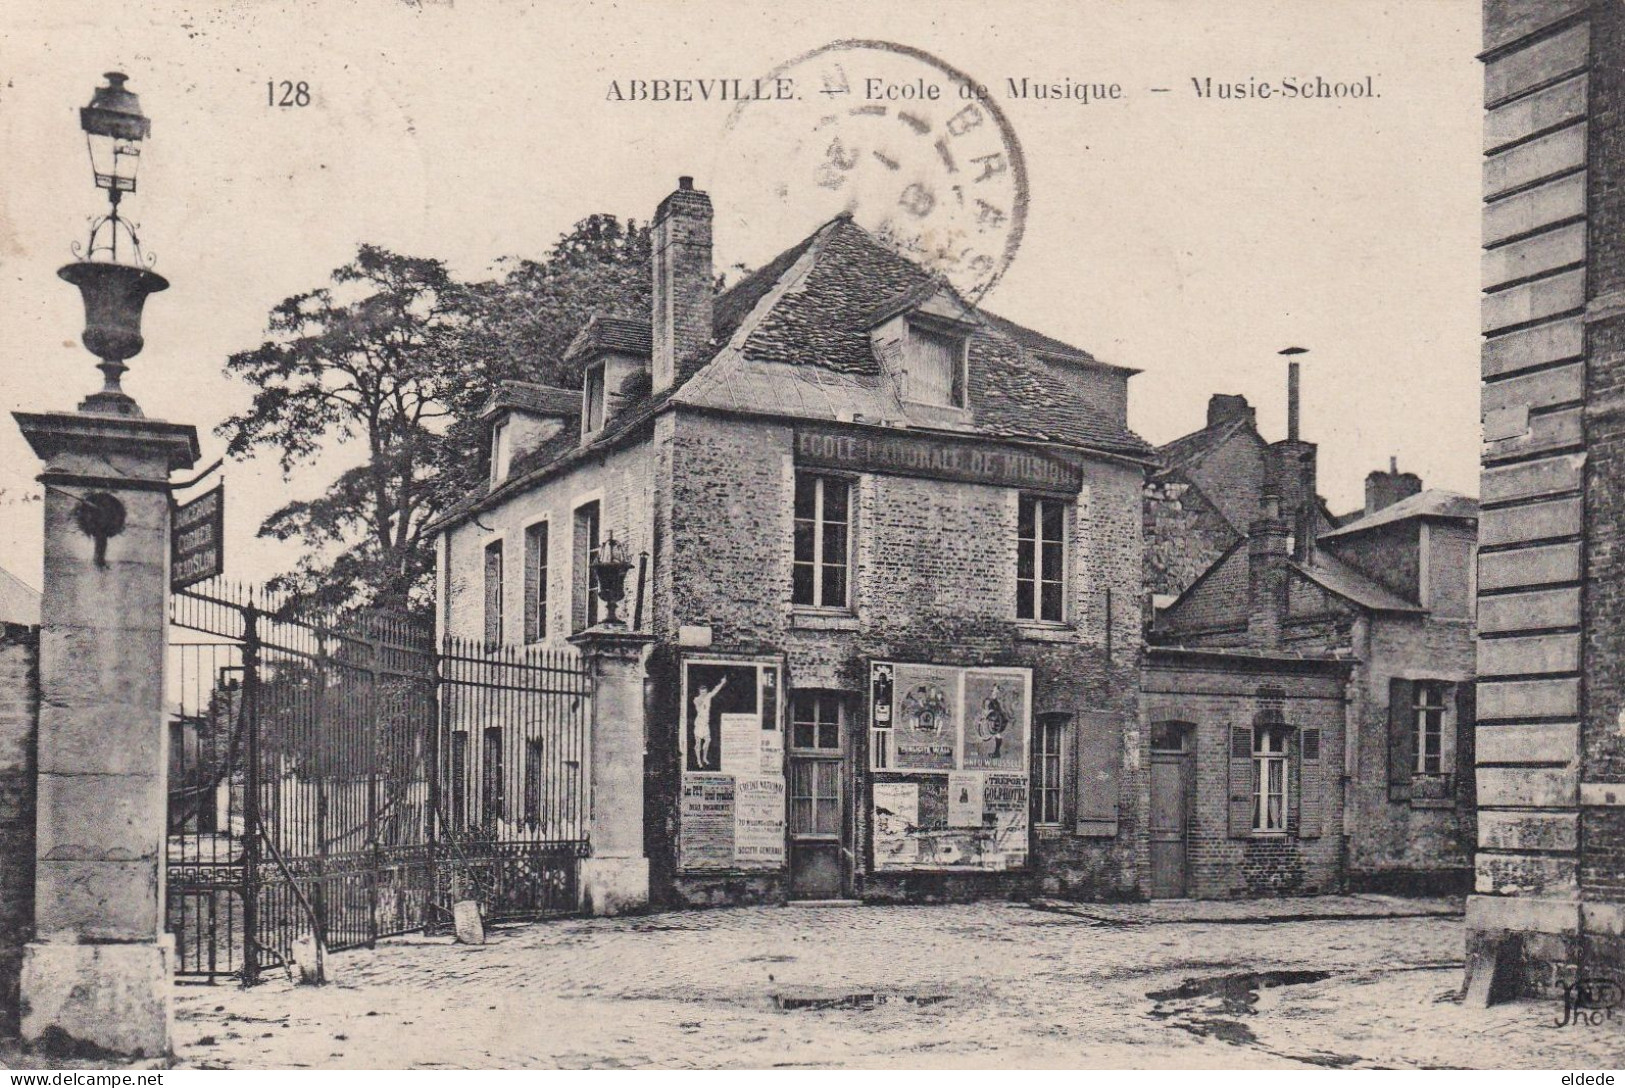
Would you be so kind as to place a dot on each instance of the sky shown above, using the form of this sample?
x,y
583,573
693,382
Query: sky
x,y
1188,237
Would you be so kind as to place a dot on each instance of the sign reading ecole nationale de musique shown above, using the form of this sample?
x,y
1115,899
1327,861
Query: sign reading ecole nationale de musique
x,y
197,548
938,458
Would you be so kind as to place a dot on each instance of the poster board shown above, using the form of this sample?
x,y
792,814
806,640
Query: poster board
x,y
949,751
732,797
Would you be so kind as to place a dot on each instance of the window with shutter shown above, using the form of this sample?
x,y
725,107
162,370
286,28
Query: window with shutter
x,y
1466,764
536,582
584,602
1401,738
1311,785
1099,764
934,364
1241,782
493,594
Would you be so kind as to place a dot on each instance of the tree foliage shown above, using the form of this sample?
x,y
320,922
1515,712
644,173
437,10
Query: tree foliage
x,y
397,356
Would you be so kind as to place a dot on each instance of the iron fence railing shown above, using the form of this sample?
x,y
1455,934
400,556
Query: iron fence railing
x,y
342,778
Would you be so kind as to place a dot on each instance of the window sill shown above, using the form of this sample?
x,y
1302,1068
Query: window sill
x,y
1268,835
1045,631
810,619
1433,802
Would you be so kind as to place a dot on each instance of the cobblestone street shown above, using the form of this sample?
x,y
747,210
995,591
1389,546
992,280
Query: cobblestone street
x,y
1351,981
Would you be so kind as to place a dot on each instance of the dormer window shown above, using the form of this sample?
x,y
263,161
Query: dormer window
x,y
501,450
934,366
592,400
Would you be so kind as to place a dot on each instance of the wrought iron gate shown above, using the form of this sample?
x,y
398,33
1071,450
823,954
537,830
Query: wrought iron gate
x,y
347,781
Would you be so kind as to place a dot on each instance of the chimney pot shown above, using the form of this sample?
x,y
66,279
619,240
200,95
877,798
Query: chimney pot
x,y
685,182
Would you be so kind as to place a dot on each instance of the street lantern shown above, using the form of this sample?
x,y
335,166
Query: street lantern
x,y
113,285
114,128
609,570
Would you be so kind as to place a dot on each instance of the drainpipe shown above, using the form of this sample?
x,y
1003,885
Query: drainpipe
x,y
1354,709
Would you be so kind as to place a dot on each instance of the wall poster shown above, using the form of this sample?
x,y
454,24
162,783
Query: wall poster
x,y
731,812
897,814
925,718
949,752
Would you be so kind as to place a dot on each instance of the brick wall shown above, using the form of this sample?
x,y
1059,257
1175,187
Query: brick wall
x,y
1213,698
1233,477
1388,554
1602,739
19,729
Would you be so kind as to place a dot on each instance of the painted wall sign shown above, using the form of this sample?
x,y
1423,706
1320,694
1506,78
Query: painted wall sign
x,y
197,539
731,813
906,454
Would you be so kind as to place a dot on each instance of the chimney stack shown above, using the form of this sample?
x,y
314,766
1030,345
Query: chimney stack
x,y
1224,407
682,319
1266,575
1383,489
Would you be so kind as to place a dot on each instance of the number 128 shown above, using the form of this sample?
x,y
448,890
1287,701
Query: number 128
x,y
291,94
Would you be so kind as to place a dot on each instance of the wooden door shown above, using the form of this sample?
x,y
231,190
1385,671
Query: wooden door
x,y
818,776
1170,812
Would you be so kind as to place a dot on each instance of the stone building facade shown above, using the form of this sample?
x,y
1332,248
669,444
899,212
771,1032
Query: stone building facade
x,y
1375,605
1550,906
890,554
19,741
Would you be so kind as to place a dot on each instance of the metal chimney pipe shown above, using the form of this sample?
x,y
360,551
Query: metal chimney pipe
x,y
1292,390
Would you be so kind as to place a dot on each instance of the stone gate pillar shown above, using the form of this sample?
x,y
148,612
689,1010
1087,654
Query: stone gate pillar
x,y
98,971
615,878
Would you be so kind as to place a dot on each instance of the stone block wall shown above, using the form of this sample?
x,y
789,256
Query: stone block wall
x,y
1552,280
19,732
1410,844
619,480
934,581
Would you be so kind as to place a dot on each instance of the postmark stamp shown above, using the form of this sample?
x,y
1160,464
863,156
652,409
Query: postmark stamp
x,y
915,150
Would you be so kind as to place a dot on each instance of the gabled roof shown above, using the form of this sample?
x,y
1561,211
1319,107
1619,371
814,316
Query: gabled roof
x,y
19,602
804,349
1335,576
1190,449
1035,341
1432,503
543,400
792,339
605,333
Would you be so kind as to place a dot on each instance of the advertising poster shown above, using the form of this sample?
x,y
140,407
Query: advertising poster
x,y
758,836
741,742
712,690
995,721
772,761
897,809
965,799
732,810
880,697
1006,808
707,814
925,718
